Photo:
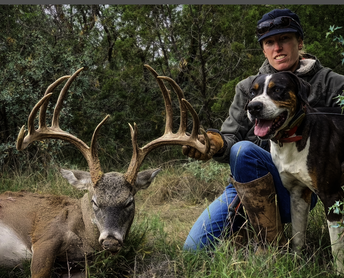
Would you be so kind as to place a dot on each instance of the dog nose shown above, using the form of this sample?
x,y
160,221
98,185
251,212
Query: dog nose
x,y
255,107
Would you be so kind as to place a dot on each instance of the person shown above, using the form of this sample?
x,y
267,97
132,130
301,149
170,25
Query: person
x,y
280,35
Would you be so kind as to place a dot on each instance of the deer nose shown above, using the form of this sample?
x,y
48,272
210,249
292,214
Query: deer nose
x,y
255,108
112,244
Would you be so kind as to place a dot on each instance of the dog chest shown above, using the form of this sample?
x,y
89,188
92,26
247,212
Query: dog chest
x,y
292,164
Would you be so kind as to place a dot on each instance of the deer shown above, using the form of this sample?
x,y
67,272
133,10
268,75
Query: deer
x,y
49,228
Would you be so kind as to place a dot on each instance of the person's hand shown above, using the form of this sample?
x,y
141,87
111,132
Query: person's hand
x,y
216,143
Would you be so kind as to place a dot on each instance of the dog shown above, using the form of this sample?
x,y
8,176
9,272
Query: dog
x,y
307,147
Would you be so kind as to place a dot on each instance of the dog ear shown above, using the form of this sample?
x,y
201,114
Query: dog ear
x,y
247,102
303,87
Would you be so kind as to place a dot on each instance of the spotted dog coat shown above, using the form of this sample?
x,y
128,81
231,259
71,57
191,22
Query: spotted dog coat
x,y
307,147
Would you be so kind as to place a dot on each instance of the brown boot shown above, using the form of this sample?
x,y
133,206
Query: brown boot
x,y
259,200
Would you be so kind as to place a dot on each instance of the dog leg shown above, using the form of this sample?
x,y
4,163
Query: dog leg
x,y
299,216
336,230
337,245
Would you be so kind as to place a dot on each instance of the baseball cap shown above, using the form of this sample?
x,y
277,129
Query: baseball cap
x,y
278,21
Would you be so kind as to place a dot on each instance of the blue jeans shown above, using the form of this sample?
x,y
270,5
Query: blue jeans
x,y
248,162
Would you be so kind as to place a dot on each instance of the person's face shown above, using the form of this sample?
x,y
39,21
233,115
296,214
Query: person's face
x,y
282,51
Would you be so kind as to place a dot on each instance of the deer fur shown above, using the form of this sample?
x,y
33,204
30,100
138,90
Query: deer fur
x,y
46,228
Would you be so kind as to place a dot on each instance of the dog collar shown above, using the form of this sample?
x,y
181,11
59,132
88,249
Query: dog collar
x,y
288,135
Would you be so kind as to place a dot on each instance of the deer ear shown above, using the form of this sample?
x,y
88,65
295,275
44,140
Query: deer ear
x,y
145,178
79,179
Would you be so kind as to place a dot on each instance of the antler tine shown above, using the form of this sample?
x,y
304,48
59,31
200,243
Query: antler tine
x,y
44,132
43,111
195,120
183,115
95,169
169,138
20,145
95,135
167,99
58,107
183,111
136,159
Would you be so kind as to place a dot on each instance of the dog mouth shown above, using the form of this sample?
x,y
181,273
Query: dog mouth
x,y
266,128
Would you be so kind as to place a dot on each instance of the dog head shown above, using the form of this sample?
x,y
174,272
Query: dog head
x,y
276,98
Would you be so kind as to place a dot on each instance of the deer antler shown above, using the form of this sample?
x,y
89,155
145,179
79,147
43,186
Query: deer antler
x,y
169,138
55,132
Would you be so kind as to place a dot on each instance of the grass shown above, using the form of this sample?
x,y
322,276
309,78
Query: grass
x,y
165,214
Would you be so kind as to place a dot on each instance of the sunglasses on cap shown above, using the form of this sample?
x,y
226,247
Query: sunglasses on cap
x,y
278,22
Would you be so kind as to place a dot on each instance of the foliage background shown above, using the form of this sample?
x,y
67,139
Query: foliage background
x,y
206,49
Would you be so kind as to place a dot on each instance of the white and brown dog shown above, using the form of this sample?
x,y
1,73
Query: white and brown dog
x,y
307,147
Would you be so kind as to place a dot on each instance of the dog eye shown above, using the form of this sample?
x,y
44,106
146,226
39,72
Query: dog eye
x,y
277,90
253,93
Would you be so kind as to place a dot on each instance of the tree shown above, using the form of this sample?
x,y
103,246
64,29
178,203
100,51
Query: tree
x,y
207,49
37,46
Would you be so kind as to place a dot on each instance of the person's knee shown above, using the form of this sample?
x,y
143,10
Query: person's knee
x,y
249,161
240,150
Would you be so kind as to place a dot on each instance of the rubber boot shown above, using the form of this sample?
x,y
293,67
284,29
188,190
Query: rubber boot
x,y
260,202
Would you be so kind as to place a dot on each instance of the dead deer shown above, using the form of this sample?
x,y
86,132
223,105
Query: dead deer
x,y
46,228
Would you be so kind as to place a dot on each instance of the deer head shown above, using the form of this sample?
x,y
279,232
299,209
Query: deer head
x,y
109,204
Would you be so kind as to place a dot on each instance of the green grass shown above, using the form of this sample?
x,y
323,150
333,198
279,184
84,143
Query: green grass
x,y
46,182
152,252
227,261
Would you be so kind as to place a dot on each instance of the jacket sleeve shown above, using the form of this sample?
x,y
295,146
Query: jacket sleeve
x,y
237,126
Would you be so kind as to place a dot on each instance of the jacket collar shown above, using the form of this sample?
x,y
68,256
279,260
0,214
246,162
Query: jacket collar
x,y
308,66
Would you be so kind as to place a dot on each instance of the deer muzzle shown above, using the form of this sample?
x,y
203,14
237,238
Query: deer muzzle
x,y
112,243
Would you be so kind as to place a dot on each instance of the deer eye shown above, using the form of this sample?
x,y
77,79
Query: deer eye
x,y
94,204
129,202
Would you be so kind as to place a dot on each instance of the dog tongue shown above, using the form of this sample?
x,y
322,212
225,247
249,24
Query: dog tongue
x,y
262,127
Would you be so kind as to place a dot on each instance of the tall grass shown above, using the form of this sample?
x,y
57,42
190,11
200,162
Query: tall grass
x,y
151,251
47,181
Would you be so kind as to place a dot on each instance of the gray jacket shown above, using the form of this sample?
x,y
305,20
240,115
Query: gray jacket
x,y
325,85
